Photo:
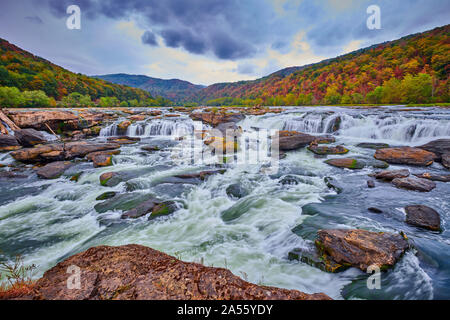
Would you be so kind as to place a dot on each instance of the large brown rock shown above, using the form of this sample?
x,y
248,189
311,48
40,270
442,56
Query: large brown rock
x,y
83,148
216,118
423,217
134,272
39,119
293,140
438,147
361,248
405,155
43,153
29,137
434,177
53,170
392,174
414,183
8,143
348,163
59,151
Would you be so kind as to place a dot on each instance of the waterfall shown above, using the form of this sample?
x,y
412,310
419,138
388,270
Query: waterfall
x,y
157,127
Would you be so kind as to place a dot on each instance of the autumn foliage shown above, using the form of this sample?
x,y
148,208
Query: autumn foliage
x,y
414,69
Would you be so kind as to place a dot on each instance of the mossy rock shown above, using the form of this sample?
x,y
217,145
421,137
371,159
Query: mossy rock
x,y
123,202
163,209
106,196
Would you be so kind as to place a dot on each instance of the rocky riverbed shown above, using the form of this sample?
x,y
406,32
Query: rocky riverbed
x,y
353,188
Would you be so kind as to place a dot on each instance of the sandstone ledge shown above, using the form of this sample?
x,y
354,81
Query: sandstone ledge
x,y
134,272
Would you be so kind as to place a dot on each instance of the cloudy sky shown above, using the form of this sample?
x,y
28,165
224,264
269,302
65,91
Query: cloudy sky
x,y
207,41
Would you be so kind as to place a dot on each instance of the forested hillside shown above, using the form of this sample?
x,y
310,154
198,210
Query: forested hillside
x,y
174,89
414,69
28,80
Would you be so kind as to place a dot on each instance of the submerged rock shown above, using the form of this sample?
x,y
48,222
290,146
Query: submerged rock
x,y
414,183
423,217
375,146
106,195
151,148
53,170
123,202
361,248
236,191
134,272
110,179
332,183
391,175
406,155
371,184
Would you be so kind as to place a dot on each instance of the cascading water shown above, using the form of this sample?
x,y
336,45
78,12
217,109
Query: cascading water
x,y
47,221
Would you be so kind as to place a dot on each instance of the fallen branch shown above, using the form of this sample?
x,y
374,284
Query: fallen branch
x,y
8,122
53,132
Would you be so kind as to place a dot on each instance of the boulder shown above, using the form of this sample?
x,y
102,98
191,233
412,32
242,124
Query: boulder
x,y
83,148
150,148
446,160
360,248
348,163
122,202
123,126
102,160
201,175
325,150
53,170
391,175
370,184
438,147
106,196
29,137
293,140
414,183
91,156
41,153
310,256
324,140
141,210
110,179
134,272
375,210
236,191
8,143
40,119
163,209
405,155
434,177
423,217
216,118
375,146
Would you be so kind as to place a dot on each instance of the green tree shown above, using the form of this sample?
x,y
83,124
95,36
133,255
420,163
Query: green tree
x,y
11,97
36,99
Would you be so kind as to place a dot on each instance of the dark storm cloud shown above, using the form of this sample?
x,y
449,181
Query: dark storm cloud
x,y
237,29
149,38
198,26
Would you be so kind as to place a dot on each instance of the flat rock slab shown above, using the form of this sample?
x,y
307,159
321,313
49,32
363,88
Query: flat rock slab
x,y
392,174
374,146
405,155
325,150
29,137
53,170
361,248
414,183
135,272
434,177
423,217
